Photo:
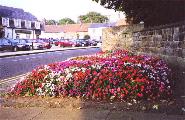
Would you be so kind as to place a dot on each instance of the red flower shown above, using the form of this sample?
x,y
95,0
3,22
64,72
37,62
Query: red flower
x,y
139,94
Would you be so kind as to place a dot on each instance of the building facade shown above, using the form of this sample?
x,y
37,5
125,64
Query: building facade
x,y
69,31
16,23
95,30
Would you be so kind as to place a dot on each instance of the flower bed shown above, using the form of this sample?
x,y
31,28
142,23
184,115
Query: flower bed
x,y
117,75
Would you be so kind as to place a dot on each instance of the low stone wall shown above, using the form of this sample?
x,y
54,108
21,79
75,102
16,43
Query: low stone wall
x,y
119,37
167,41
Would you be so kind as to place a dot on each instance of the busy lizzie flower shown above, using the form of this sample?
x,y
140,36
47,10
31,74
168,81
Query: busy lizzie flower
x,y
105,75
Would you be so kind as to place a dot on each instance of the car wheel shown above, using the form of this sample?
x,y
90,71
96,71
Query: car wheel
x,y
15,49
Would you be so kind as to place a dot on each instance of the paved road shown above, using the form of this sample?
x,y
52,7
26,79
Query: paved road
x,y
16,65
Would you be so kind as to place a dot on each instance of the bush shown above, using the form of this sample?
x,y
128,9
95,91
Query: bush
x,y
86,37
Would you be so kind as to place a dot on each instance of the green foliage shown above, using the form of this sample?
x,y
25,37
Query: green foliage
x,y
51,22
66,21
86,37
93,17
151,12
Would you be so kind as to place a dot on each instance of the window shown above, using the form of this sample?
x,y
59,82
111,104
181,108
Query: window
x,y
11,23
32,24
17,36
23,24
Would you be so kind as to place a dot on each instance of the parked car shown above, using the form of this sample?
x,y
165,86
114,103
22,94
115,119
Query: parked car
x,y
35,44
92,42
53,41
66,43
46,43
6,44
82,42
75,43
22,45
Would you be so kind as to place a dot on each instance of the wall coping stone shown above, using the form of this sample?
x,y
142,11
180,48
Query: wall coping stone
x,y
162,27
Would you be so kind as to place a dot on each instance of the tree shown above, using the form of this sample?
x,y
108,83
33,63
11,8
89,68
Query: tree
x,y
66,21
51,22
151,12
93,17
86,37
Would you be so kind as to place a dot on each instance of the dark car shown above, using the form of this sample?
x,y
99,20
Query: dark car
x,y
8,44
92,42
82,42
22,44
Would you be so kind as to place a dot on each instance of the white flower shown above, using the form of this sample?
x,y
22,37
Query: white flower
x,y
69,75
155,107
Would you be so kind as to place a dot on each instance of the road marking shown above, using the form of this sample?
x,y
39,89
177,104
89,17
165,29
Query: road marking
x,y
27,58
15,60
33,57
11,79
20,59
39,56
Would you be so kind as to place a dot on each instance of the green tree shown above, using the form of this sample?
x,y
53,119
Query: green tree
x,y
93,17
151,12
87,37
66,21
51,22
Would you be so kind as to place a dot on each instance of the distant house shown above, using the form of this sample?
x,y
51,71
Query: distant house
x,y
69,31
16,23
74,31
52,31
95,30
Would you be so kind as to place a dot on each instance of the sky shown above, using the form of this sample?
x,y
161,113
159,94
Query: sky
x,y
58,9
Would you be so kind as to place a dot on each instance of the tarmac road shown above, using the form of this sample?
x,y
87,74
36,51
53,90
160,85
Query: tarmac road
x,y
16,65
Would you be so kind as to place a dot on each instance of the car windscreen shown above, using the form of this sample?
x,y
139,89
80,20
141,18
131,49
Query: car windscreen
x,y
22,41
40,41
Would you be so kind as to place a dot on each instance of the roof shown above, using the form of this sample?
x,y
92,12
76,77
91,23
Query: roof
x,y
67,28
16,13
98,25
53,28
76,27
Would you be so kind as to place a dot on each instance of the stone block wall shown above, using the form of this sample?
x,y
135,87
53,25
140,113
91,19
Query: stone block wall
x,y
166,41
119,37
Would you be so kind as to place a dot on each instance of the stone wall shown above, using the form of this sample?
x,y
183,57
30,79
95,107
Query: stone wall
x,y
119,37
166,41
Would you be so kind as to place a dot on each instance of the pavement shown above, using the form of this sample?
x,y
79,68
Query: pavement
x,y
66,113
39,113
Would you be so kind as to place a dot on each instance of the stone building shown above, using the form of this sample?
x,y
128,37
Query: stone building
x,y
69,31
16,23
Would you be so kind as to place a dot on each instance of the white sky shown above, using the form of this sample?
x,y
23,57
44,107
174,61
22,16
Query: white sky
x,y
58,9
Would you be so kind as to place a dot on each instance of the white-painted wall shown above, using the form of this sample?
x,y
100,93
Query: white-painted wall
x,y
96,33
10,33
52,35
